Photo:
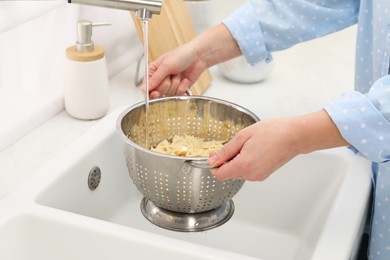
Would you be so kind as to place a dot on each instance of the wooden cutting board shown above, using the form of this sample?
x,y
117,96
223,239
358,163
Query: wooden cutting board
x,y
170,29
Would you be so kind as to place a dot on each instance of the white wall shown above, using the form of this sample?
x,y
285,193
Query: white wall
x,y
33,40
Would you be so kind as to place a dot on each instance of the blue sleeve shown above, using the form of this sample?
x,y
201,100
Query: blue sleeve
x,y
263,26
364,120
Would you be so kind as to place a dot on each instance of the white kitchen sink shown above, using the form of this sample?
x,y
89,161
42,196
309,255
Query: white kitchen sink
x,y
312,208
44,237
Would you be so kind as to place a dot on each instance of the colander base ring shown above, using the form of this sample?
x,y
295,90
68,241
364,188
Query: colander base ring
x,y
187,222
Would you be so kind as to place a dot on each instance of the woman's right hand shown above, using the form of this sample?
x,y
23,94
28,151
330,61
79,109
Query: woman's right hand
x,y
174,72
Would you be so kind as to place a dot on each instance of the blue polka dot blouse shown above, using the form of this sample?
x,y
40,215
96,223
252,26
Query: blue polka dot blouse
x,y
261,27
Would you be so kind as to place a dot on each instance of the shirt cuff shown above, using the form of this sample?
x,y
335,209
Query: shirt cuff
x,y
361,125
247,32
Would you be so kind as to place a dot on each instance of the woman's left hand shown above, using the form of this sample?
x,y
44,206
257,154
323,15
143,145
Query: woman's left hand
x,y
260,149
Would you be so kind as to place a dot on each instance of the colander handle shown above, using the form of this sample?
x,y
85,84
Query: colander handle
x,y
202,164
189,92
188,165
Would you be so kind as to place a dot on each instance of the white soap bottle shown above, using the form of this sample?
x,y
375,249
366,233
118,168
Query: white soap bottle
x,y
86,92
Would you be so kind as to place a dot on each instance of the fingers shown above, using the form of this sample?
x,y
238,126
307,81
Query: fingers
x,y
166,79
228,151
161,90
228,159
183,86
173,73
154,95
229,170
174,84
157,74
170,86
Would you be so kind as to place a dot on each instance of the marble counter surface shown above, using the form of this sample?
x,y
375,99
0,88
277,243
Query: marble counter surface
x,y
304,78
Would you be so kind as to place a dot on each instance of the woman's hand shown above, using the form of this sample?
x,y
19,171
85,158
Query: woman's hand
x,y
176,71
173,73
260,149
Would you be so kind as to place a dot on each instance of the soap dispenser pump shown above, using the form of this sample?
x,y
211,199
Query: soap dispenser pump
x,y
86,92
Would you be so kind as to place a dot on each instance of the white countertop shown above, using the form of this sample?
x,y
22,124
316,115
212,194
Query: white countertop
x,y
304,78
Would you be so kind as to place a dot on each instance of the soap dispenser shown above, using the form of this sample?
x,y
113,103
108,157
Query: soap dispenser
x,y
86,92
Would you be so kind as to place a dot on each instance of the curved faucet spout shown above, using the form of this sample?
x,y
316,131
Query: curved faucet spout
x,y
143,8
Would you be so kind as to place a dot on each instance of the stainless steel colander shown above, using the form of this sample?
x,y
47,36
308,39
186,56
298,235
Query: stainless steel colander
x,y
180,184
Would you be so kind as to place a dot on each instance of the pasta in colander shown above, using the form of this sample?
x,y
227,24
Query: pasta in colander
x,y
187,146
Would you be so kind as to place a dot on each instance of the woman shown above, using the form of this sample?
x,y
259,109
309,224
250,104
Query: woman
x,y
359,119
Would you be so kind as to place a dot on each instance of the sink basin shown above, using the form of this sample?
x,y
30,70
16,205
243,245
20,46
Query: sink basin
x,y
312,208
39,237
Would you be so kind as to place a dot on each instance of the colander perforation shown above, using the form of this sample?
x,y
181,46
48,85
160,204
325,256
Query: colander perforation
x,y
161,178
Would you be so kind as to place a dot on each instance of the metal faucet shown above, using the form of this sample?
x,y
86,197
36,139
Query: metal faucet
x,y
144,9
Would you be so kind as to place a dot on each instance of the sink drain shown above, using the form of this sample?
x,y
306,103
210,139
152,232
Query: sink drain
x,y
94,177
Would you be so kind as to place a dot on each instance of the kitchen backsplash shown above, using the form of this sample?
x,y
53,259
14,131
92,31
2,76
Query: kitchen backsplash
x,y
32,51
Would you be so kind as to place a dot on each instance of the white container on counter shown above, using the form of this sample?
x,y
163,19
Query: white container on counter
x,y
86,92
202,14
238,70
